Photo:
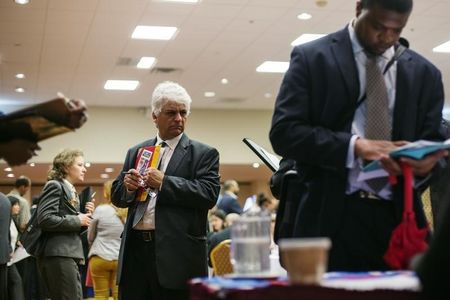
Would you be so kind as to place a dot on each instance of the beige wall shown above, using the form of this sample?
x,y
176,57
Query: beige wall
x,y
109,132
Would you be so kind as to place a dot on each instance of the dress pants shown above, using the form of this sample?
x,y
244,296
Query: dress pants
x,y
3,281
15,285
363,237
139,276
103,273
61,277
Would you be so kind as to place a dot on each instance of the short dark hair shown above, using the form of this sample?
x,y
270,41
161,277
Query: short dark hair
x,y
400,6
22,181
13,200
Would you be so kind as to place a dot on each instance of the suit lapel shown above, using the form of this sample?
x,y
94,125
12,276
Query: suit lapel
x,y
178,155
67,197
405,80
342,50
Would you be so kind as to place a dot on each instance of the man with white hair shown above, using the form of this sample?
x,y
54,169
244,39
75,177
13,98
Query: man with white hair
x,y
164,241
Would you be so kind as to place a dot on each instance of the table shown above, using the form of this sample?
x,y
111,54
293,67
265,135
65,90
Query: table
x,y
402,285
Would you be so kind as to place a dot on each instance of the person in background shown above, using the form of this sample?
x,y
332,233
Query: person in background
x,y
17,150
24,267
15,285
5,245
325,119
217,220
266,203
104,239
59,217
229,202
21,187
164,241
221,235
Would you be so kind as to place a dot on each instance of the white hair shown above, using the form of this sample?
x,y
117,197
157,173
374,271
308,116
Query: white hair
x,y
169,91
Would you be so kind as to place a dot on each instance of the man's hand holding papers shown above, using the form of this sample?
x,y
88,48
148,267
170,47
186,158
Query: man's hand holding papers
x,y
420,155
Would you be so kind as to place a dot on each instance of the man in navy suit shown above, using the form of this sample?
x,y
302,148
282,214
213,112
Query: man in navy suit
x,y
229,202
319,122
164,239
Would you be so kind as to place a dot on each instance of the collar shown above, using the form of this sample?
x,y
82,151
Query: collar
x,y
357,48
233,195
172,143
71,186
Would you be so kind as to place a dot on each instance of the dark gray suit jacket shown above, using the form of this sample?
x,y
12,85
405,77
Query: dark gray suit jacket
x,y
5,221
190,187
59,222
313,115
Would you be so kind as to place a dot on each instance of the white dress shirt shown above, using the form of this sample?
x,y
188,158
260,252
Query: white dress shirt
x,y
148,220
355,164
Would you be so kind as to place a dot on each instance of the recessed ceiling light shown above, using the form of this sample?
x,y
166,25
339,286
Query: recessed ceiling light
x,y
443,48
267,95
255,165
306,37
22,1
273,67
19,90
20,75
10,175
104,176
224,81
146,62
304,16
8,169
87,165
154,32
32,164
122,85
209,94
109,170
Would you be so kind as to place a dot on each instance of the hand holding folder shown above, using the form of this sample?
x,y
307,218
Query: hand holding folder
x,y
147,157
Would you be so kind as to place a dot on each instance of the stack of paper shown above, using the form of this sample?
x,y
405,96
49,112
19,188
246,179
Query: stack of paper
x,y
415,150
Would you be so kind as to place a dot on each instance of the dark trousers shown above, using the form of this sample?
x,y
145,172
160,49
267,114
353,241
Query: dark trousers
x,y
139,275
61,277
362,239
3,281
32,283
15,286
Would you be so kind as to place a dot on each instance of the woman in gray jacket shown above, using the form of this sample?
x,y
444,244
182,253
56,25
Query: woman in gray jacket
x,y
61,222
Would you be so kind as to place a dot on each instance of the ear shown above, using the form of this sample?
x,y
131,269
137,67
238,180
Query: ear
x,y
154,117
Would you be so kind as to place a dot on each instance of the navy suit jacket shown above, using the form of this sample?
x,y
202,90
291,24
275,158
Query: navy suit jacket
x,y
313,115
229,204
190,187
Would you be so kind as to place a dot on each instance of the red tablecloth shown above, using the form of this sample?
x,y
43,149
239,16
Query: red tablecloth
x,y
279,289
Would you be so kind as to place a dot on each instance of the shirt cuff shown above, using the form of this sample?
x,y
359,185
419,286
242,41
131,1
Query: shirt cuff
x,y
351,160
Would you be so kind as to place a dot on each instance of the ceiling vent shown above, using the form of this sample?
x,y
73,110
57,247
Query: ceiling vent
x,y
164,70
125,61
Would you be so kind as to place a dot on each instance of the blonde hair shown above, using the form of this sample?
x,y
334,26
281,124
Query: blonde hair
x,y
62,161
120,212
107,190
